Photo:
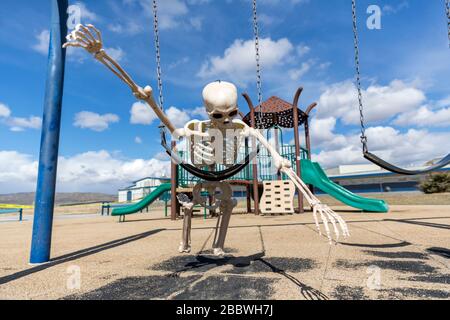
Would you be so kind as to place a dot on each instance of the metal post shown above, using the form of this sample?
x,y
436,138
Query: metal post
x,y
255,166
297,146
175,207
166,213
308,137
48,160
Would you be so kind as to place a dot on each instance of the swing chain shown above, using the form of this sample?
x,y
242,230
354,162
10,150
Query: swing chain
x,y
258,57
158,54
358,77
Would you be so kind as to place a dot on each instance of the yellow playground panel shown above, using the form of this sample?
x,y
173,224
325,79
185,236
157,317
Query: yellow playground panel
x,y
14,206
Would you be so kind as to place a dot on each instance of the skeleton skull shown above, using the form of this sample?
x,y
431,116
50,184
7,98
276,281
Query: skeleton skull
x,y
220,99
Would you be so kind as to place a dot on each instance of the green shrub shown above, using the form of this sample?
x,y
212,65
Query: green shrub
x,y
436,183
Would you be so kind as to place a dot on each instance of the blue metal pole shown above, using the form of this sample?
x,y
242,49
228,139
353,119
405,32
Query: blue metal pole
x,y
51,123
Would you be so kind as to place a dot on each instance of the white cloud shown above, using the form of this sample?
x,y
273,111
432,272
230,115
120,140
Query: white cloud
x,y
141,113
425,116
323,134
74,54
129,28
87,16
381,102
298,73
196,23
116,53
408,148
17,124
302,50
94,121
163,156
42,44
5,111
178,117
138,140
199,113
96,171
238,61
392,9
268,20
169,11
18,172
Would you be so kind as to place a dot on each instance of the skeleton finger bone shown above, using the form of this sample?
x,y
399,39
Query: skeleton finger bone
x,y
325,222
97,32
333,222
316,220
87,32
81,36
326,214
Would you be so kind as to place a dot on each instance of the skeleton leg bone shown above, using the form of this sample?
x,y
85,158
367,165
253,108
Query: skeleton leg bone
x,y
222,227
188,206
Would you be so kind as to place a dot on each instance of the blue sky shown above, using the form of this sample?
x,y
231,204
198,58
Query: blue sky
x,y
108,140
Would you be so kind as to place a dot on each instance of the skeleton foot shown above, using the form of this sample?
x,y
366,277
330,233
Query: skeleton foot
x,y
218,252
329,216
184,248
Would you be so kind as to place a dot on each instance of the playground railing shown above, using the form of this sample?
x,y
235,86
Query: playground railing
x,y
9,211
264,161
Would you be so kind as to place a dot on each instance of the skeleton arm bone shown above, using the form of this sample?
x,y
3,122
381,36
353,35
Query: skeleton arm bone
x,y
282,164
83,37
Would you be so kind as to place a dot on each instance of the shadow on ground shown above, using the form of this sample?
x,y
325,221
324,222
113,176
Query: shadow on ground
x,y
242,280
77,255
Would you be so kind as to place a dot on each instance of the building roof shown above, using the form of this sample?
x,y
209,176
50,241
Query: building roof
x,y
373,172
152,178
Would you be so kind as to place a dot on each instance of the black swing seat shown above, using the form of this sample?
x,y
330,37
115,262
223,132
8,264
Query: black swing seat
x,y
208,175
389,167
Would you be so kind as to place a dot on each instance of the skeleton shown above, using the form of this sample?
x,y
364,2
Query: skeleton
x,y
214,141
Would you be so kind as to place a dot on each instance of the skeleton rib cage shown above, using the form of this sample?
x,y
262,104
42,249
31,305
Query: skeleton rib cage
x,y
216,147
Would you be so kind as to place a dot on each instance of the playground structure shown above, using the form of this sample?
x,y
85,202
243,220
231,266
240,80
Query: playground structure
x,y
45,193
277,115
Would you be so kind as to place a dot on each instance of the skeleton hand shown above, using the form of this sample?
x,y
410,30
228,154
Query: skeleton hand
x,y
83,37
327,215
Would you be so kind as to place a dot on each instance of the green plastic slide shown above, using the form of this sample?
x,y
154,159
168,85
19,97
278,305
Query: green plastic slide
x,y
148,200
313,174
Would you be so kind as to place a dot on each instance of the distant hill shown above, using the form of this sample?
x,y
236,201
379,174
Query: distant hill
x,y
61,198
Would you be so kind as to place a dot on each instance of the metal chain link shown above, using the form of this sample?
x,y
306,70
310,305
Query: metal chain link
x,y
258,58
158,54
358,77
447,9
